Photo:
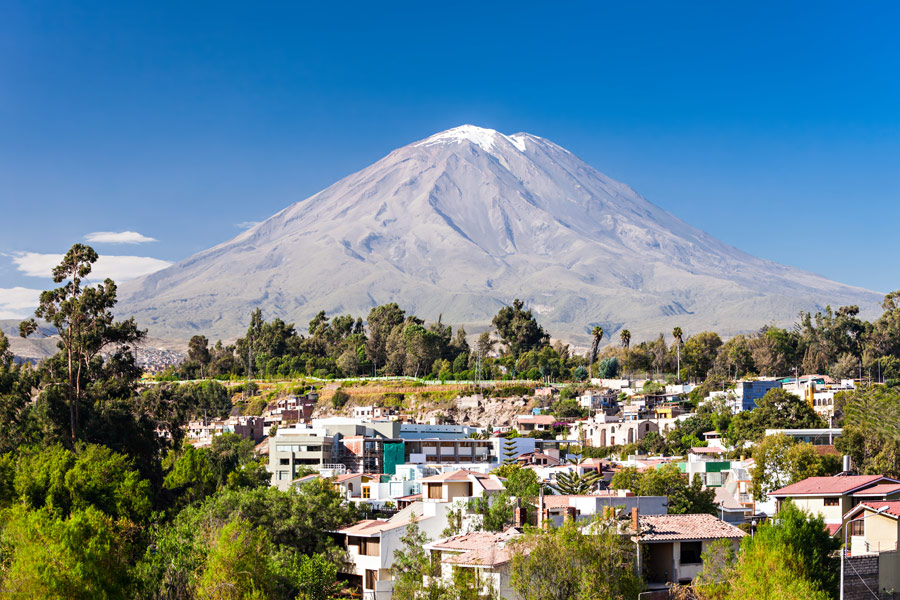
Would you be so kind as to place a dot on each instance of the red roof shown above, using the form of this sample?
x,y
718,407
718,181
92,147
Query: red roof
x,y
882,489
837,485
891,508
833,528
661,528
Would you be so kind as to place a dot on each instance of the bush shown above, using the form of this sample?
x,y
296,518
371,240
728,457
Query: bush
x,y
339,399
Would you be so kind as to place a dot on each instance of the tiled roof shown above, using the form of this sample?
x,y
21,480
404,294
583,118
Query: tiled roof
x,y
830,486
536,419
484,557
662,528
891,508
458,475
476,541
346,477
708,450
490,485
726,500
832,528
372,527
882,489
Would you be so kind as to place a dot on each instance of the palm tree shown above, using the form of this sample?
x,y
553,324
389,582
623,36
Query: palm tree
x,y
595,345
677,334
625,336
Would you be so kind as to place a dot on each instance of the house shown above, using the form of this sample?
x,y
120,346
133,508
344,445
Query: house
x,y
296,449
873,532
454,450
603,430
538,458
816,437
607,401
459,484
526,424
486,554
587,506
831,497
370,545
670,547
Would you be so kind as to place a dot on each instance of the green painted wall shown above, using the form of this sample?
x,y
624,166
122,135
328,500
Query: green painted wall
x,y
393,456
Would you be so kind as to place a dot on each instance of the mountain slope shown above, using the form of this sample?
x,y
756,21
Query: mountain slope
x,y
460,224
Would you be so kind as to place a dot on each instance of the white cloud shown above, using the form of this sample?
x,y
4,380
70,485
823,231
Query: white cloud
x,y
247,224
18,302
117,268
117,237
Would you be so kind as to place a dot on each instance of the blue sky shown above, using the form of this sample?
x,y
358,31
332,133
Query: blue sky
x,y
775,127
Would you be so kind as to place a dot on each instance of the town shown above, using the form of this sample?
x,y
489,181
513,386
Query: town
x,y
397,470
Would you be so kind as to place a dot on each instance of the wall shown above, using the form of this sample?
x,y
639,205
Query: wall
x,y
859,572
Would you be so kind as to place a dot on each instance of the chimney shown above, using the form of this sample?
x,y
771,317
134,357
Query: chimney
x,y
634,519
520,517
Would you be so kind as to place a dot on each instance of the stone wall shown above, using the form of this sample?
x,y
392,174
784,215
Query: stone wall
x,y
859,572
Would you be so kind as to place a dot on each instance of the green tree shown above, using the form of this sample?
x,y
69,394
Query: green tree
x,y
700,353
83,319
789,558
93,477
510,451
597,336
520,482
198,350
780,461
684,497
316,577
871,429
518,329
563,563
778,409
16,422
239,564
625,337
678,335
573,484
82,556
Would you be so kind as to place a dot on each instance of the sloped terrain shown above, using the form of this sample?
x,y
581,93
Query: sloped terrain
x,y
461,223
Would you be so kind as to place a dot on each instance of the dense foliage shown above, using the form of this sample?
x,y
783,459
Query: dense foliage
x,y
790,558
100,497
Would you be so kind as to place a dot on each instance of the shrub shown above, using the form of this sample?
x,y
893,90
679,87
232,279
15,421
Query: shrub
x,y
339,399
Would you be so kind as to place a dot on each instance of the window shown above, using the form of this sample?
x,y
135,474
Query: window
x,y
435,491
857,527
691,552
366,492
371,578
284,461
831,501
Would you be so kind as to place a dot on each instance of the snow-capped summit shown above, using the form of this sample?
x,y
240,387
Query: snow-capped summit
x,y
464,221
481,137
